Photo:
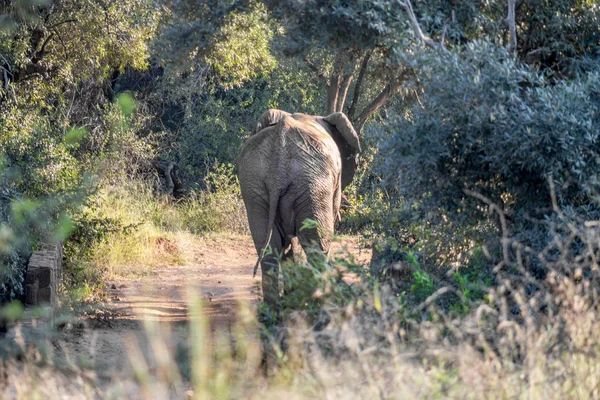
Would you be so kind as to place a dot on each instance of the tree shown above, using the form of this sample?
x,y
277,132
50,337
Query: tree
x,y
351,47
71,41
57,119
343,45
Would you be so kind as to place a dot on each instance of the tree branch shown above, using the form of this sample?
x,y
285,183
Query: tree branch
x,y
38,55
359,84
380,100
61,23
317,71
5,78
407,5
345,85
333,91
512,27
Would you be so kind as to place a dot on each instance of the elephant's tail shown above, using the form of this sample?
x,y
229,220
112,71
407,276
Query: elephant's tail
x,y
273,204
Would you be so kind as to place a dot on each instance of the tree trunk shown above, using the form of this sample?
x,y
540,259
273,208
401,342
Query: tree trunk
x,y
170,171
512,27
333,94
343,92
359,84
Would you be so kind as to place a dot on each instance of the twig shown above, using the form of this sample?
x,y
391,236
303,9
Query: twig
x,y
316,70
62,22
438,293
501,214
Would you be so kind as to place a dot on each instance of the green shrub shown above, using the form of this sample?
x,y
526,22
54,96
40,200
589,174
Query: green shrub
x,y
13,262
489,128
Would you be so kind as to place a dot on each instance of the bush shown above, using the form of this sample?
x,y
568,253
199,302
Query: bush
x,y
489,128
13,262
217,208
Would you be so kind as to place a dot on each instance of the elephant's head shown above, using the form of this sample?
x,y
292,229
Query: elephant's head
x,y
270,117
348,142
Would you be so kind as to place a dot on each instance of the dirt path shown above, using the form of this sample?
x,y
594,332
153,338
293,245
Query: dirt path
x,y
219,270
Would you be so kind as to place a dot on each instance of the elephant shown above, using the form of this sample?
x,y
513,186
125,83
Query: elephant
x,y
294,167
268,118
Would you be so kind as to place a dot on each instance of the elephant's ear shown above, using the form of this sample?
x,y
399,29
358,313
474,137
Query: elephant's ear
x,y
270,117
344,126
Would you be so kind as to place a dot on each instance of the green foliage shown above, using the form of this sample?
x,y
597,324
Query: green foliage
x,y
38,159
316,286
423,286
560,35
12,311
12,261
90,231
218,207
242,50
57,126
493,126
339,25
119,147
206,122
18,11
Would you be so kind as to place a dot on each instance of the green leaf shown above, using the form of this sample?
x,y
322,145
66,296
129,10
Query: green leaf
x,y
377,298
74,136
65,227
13,311
127,104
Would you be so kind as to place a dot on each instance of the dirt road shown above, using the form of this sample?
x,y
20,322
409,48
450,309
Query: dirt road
x,y
218,269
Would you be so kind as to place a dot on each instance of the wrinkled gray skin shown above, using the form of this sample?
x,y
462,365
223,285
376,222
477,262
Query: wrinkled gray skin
x,y
270,117
293,168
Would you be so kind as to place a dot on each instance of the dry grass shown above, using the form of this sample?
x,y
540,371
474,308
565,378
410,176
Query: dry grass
x,y
372,348
528,338
155,227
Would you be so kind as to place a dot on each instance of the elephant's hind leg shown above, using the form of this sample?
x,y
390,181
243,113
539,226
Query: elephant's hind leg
x,y
258,222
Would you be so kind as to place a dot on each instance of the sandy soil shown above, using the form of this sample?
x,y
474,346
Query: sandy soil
x,y
219,270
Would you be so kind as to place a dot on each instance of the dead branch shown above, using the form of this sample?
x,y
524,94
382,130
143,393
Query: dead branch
x,y
407,5
174,185
534,55
61,23
493,207
512,27
38,55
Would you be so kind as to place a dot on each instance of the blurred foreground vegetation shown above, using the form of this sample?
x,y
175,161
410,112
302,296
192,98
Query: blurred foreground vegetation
x,y
120,122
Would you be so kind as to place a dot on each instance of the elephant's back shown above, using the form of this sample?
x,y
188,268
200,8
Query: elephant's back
x,y
308,142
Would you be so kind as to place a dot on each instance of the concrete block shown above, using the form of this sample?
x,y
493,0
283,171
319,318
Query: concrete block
x,y
45,295
43,275
31,293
